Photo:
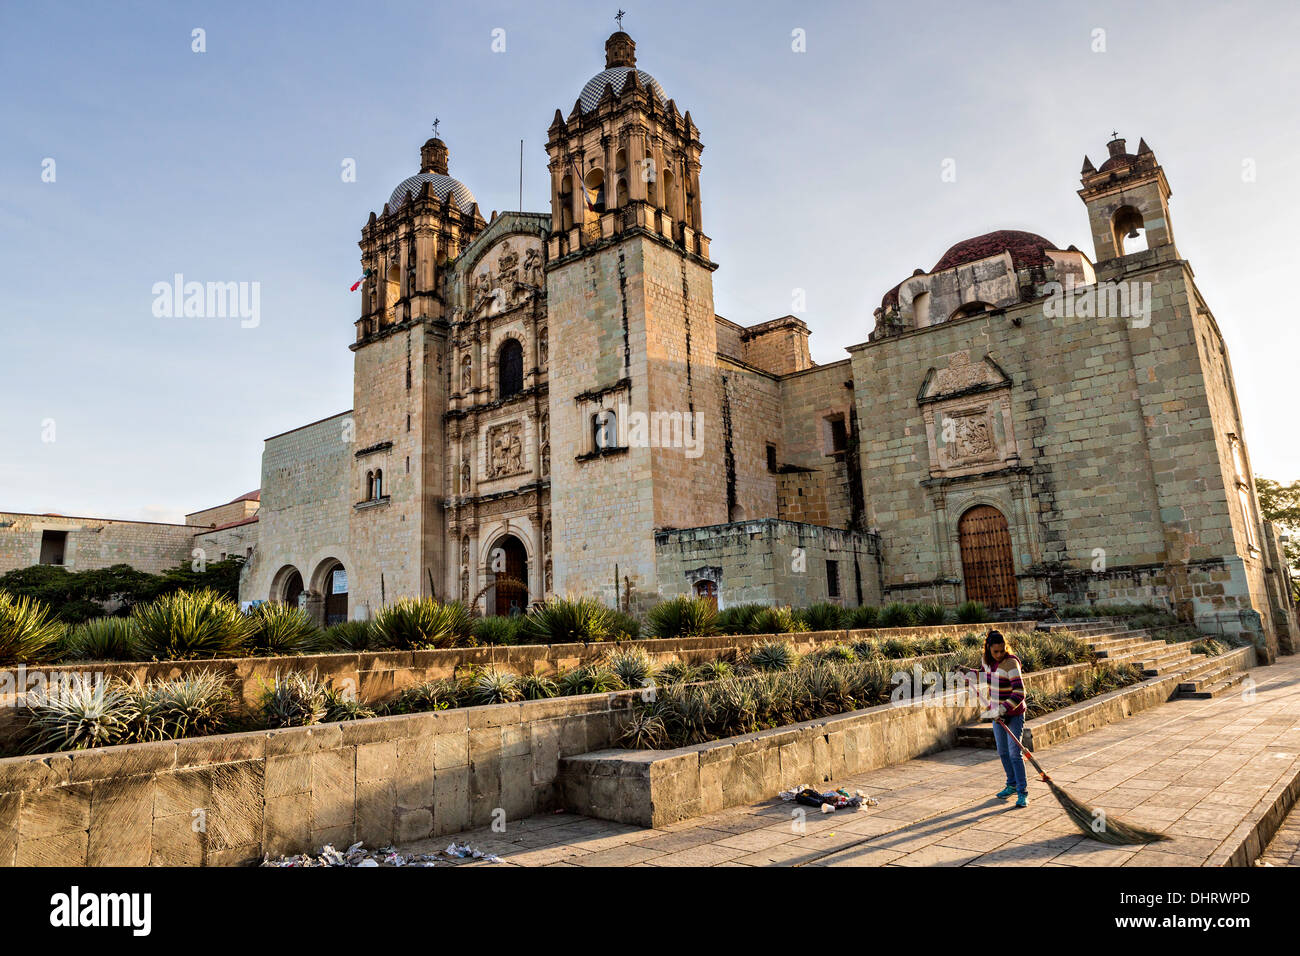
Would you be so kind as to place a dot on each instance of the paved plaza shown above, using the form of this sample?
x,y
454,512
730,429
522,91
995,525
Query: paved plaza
x,y
1205,772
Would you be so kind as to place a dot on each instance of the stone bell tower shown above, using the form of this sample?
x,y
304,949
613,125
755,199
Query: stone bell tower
x,y
398,469
1127,193
633,332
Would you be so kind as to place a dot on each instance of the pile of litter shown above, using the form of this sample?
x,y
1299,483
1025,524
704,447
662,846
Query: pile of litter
x,y
358,855
830,800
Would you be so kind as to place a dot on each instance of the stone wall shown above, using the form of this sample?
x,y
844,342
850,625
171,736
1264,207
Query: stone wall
x,y
1098,438
94,542
307,496
770,562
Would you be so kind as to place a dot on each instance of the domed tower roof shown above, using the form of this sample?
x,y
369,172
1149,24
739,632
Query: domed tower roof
x,y
620,60
1118,157
1026,249
433,170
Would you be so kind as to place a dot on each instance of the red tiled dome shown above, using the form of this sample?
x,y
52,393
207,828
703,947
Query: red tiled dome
x,y
1026,250
1115,162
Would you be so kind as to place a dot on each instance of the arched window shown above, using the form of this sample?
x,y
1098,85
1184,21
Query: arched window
x,y
370,486
394,292
921,309
1129,230
510,368
566,202
971,308
596,189
604,430
378,491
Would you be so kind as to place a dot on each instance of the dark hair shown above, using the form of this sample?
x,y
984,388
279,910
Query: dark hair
x,y
992,637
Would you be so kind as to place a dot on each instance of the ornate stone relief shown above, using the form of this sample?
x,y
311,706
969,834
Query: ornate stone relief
x,y
967,410
505,450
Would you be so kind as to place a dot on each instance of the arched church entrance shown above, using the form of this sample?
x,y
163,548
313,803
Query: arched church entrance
x,y
509,564
333,587
986,561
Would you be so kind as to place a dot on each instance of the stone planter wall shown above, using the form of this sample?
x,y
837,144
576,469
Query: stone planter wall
x,y
378,675
659,787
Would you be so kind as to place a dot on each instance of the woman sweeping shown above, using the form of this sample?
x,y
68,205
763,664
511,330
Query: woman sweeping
x,y
1007,687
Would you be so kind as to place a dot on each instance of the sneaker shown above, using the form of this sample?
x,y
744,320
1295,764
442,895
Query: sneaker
x,y
1005,792
1022,800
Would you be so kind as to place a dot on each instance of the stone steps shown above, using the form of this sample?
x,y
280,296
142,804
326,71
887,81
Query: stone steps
x,y
1216,682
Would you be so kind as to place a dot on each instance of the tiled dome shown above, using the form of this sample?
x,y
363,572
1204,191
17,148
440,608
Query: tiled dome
x,y
616,76
1026,248
442,186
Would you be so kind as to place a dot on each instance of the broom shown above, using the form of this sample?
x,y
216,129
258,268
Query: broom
x,y
1113,831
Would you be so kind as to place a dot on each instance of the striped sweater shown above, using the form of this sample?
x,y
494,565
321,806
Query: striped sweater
x,y
1006,686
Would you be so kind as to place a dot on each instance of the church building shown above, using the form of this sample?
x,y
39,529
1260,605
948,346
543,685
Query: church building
x,y
548,404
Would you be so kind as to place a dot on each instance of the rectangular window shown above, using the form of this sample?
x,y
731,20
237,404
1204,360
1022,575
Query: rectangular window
x,y
771,457
54,545
833,578
839,436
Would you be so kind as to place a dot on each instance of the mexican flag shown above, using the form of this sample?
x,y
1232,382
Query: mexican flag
x,y
364,276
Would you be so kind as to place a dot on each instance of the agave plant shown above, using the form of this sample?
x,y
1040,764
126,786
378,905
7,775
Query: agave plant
x,y
188,624
715,670
929,614
27,629
417,623
645,730
589,679
195,705
431,695
567,621
633,665
866,649
682,617
678,672
343,705
971,612
623,627
777,620
84,712
772,656
841,653
350,636
497,629
896,614
823,617
492,686
102,639
284,629
739,619
295,699
537,687
861,617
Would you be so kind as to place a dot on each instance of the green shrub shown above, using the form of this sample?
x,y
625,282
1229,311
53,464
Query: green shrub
x,y
972,612
102,639
190,624
861,617
777,620
85,712
493,686
644,731
295,699
623,627
28,631
350,636
283,629
431,695
929,614
497,629
682,617
715,670
823,617
772,656
739,619
423,623
537,687
589,679
194,705
896,614
678,672
634,666
567,621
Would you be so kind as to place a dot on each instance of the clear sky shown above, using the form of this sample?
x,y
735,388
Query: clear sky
x,y
822,172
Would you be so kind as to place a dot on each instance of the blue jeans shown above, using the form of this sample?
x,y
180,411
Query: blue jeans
x,y
1013,761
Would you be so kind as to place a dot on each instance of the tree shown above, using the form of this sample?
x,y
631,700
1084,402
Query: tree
x,y
1280,504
